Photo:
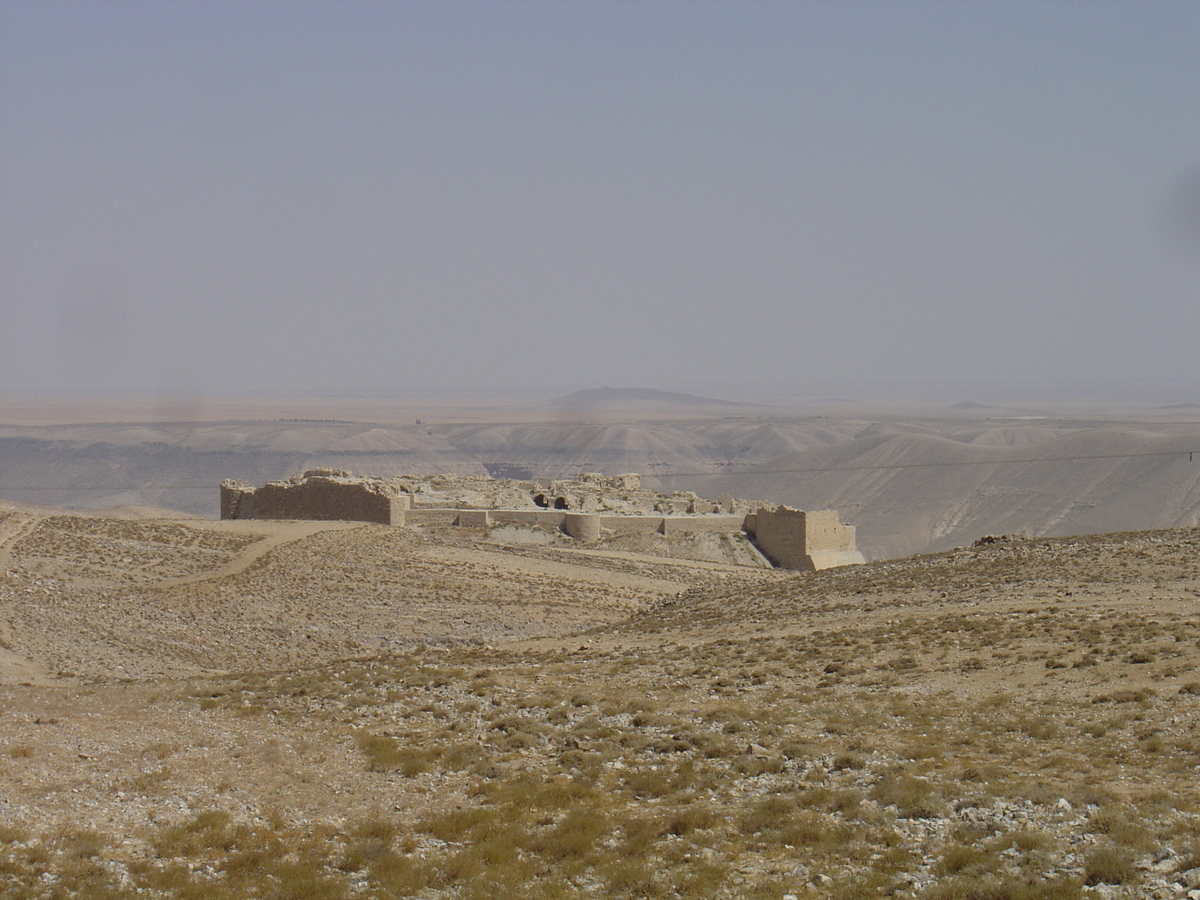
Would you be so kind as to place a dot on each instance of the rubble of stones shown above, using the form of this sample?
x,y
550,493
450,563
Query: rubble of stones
x,y
586,493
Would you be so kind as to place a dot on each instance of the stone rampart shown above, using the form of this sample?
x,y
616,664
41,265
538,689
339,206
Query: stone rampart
x,y
805,541
582,526
632,524
789,538
318,494
701,524
424,516
237,499
549,518
473,518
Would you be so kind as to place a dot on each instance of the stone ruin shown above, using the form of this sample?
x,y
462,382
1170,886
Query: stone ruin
x,y
326,494
586,508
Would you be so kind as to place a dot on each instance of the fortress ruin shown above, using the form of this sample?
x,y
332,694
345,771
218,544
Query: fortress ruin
x,y
582,508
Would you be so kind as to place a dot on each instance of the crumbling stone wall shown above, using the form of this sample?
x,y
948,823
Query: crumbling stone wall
x,y
237,499
323,494
626,482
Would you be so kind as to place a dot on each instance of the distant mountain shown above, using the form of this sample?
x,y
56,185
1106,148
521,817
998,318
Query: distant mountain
x,y
618,398
910,492
972,407
909,485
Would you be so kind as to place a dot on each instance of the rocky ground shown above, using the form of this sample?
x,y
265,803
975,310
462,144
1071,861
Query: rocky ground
x,y
211,709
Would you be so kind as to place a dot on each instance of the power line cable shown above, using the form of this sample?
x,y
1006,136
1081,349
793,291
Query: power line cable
x,y
925,465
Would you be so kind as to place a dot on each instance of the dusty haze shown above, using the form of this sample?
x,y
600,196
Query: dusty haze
x,y
724,198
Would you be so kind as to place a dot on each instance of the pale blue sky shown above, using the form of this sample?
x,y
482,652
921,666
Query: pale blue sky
x,y
400,197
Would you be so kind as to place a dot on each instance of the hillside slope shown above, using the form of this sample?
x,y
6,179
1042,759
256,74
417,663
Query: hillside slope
x,y
911,492
1010,720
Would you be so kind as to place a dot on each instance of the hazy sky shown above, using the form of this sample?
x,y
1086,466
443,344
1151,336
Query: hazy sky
x,y
400,197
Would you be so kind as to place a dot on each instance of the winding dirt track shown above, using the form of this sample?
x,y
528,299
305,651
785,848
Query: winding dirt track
x,y
282,533
13,666
16,668
12,529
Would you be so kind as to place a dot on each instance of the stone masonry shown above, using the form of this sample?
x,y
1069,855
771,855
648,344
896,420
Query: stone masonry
x,y
327,494
807,541
788,538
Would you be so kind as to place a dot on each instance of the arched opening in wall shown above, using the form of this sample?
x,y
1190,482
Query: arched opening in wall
x,y
540,500
561,503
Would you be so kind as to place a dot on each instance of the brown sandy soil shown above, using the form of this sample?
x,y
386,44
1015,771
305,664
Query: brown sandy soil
x,y
95,597
428,714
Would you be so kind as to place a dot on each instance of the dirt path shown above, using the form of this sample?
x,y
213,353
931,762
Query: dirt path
x,y
14,668
282,533
12,529
502,562
678,562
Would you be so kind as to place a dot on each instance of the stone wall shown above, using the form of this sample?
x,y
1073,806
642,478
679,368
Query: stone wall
x,y
549,518
805,541
473,518
237,499
318,494
631,524
701,524
789,538
431,516
582,527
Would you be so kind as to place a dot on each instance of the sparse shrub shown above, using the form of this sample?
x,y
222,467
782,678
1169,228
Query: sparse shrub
x,y
699,879
455,825
967,859
630,877
1109,864
573,837
580,760
1027,840
914,798
988,887
1040,729
645,783
75,844
848,761
1141,695
384,754
1120,826
458,757
398,876
752,766
689,819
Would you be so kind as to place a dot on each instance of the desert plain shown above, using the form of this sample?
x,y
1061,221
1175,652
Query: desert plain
x,y
1003,703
